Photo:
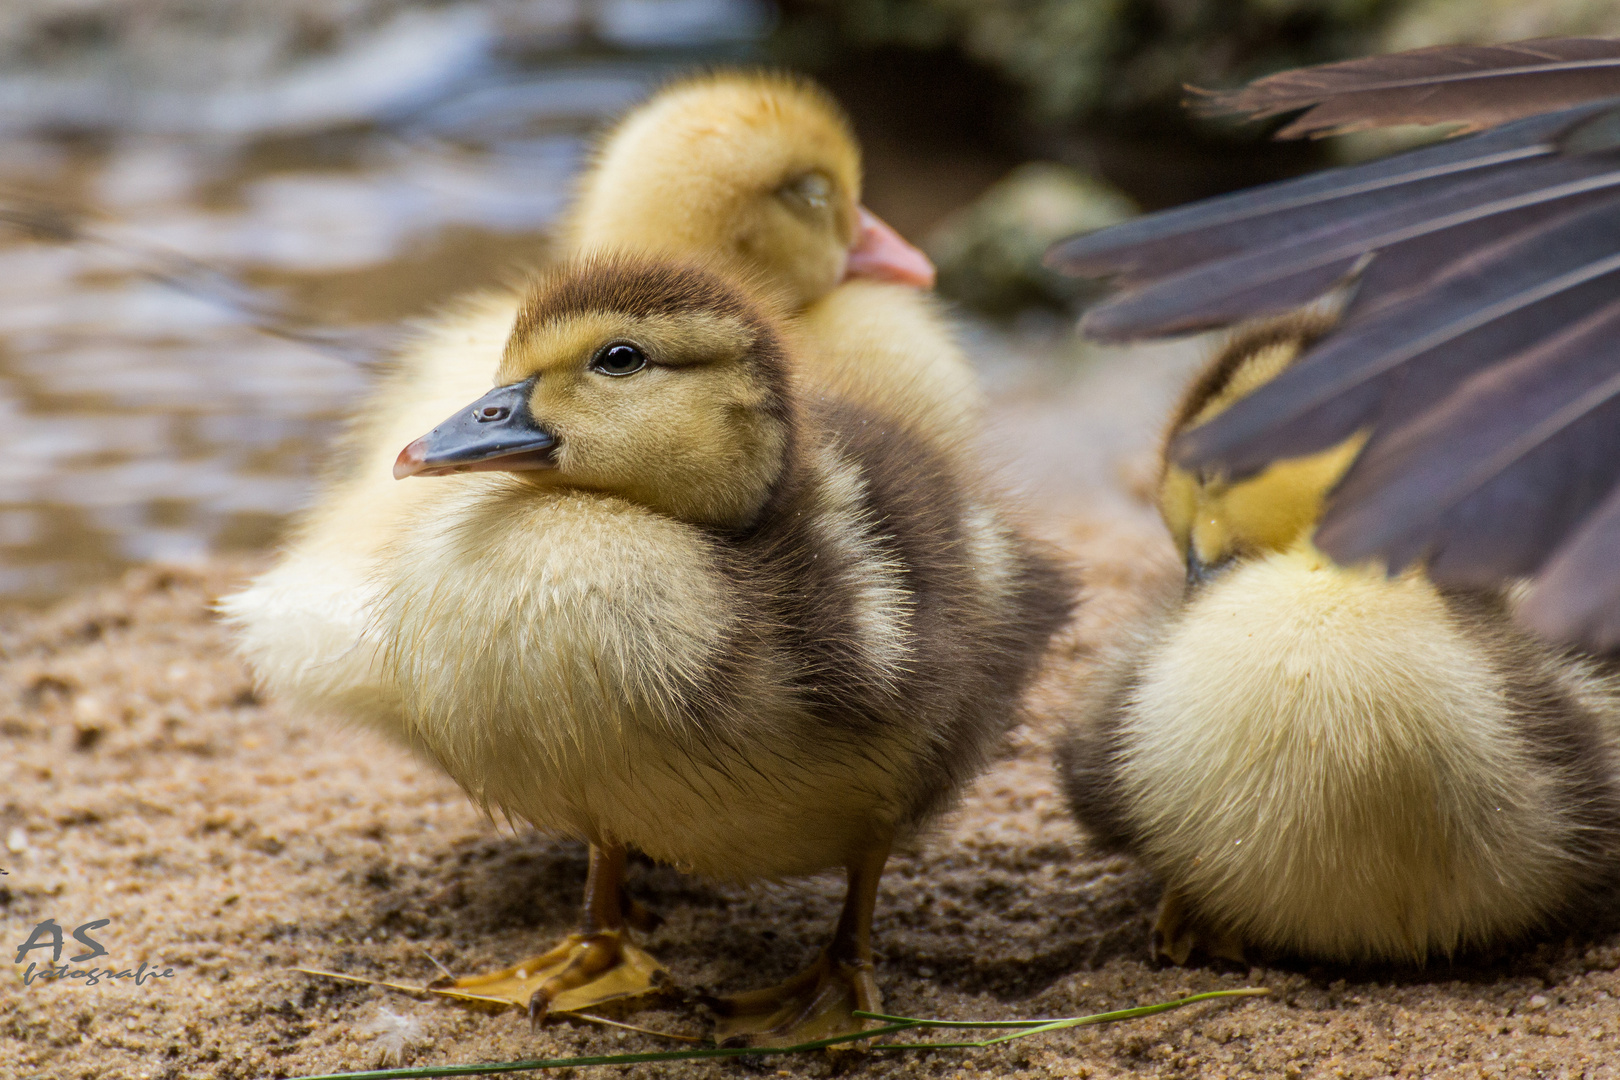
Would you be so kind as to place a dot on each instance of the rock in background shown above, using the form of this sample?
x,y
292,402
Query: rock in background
x,y
989,253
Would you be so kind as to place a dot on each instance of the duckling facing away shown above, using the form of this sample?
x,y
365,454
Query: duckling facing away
x,y
1328,762
670,602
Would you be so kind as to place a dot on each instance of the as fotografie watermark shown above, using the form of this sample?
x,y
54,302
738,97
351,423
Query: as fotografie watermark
x,y
48,935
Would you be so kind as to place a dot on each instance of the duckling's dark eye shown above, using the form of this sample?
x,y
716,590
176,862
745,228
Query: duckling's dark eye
x,y
619,359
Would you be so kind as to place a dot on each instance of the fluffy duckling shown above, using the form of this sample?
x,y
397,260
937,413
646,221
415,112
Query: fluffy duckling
x,y
662,600
763,169
1328,762
738,149
758,166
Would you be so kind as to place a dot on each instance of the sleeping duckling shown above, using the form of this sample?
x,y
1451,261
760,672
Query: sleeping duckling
x,y
1329,762
760,167
667,602
763,169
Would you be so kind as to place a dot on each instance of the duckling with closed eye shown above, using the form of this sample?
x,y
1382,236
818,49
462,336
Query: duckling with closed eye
x,y
1328,762
763,170
759,167
662,600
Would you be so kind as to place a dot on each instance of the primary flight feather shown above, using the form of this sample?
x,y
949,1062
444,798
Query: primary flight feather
x,y
1480,275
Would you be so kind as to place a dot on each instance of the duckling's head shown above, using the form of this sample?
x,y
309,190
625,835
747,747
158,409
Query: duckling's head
x,y
1217,521
759,168
658,382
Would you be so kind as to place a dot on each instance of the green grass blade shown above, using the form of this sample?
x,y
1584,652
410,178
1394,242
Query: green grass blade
x,y
1037,1027
890,1025
426,1072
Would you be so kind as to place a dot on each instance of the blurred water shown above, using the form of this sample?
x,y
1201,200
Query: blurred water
x,y
393,155
184,175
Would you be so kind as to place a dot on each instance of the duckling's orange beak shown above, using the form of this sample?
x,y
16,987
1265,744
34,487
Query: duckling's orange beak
x,y
880,252
494,433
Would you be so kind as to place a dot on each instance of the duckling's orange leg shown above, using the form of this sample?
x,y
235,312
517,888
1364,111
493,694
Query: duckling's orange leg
x,y
820,1000
1178,933
597,965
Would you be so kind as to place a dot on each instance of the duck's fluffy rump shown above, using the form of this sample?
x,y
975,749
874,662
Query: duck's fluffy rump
x,y
1343,766
1328,761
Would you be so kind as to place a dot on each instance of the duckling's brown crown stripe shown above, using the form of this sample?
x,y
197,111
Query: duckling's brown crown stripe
x,y
634,287
1305,329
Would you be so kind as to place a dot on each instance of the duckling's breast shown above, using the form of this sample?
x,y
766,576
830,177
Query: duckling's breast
x,y
1331,765
588,665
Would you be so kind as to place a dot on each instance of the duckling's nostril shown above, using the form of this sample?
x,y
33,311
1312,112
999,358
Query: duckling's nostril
x,y
491,413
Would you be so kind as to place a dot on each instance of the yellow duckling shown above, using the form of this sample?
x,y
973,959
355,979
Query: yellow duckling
x,y
1328,762
763,170
314,625
683,608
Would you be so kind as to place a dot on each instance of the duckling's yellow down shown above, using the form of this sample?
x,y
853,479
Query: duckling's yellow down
x,y
761,171
1330,762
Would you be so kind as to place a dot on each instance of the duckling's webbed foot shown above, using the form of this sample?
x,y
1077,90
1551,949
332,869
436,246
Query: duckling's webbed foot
x,y
816,1003
1178,933
600,964
821,1000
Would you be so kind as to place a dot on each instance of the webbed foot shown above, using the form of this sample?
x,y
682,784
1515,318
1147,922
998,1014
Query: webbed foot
x,y
821,1000
598,965
1178,933
583,971
816,1003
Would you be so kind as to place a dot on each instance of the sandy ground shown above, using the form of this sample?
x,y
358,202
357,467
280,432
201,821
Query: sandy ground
x,y
142,781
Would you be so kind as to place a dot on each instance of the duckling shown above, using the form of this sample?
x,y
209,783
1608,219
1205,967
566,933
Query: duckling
x,y
763,169
310,625
662,600
758,166
1328,762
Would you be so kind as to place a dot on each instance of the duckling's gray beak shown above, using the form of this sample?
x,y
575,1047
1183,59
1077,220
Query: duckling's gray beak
x,y
494,433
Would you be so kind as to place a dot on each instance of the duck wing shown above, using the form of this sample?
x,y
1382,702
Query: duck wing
x,y
1478,86
1478,342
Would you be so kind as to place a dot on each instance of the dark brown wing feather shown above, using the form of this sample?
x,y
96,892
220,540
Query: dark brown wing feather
x,y
1481,344
1475,85
1158,244
1500,472
1577,595
1269,278
1389,364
